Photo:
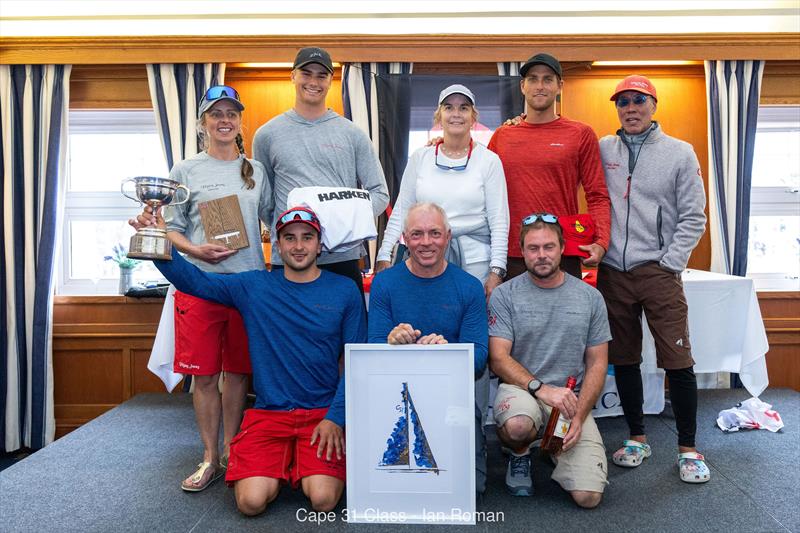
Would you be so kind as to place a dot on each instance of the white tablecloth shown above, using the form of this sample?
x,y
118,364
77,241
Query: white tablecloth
x,y
726,332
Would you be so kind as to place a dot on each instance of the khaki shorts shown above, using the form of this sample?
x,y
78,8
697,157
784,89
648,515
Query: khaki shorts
x,y
582,467
657,292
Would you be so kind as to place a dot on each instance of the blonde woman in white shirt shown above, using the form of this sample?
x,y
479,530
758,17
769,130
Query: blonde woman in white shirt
x,y
467,181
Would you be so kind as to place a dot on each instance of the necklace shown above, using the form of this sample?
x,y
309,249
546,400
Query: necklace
x,y
457,154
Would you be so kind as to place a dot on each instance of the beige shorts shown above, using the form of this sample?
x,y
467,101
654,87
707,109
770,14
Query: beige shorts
x,y
582,467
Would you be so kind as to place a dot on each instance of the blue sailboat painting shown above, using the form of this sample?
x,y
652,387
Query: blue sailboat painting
x,y
397,458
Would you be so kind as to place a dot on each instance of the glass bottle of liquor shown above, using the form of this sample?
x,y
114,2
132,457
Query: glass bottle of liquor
x,y
557,426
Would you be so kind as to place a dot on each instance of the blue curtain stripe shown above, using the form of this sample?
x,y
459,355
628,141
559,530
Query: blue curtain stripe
x,y
29,93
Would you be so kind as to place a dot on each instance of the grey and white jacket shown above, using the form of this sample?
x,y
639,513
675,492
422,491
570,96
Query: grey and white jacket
x,y
657,201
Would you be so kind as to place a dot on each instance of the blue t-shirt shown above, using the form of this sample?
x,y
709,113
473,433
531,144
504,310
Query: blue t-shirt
x,y
451,304
296,331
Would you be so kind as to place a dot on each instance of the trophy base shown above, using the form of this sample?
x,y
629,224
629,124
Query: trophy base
x,y
150,247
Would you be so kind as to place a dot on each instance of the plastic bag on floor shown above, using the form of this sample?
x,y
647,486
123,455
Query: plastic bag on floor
x,y
750,414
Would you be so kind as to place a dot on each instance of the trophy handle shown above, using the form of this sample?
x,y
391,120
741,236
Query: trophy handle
x,y
122,190
176,194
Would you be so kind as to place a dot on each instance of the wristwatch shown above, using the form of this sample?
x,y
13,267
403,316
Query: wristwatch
x,y
533,386
499,271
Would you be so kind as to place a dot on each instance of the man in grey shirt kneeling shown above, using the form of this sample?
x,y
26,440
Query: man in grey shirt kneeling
x,y
545,326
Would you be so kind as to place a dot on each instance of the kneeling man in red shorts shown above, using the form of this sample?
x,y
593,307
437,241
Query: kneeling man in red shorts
x,y
298,318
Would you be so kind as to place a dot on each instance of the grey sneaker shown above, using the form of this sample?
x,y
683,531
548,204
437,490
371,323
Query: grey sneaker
x,y
518,475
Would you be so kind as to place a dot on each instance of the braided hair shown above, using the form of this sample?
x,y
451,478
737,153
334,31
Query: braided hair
x,y
247,168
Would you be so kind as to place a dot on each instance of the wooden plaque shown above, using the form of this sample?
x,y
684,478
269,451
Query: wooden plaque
x,y
223,222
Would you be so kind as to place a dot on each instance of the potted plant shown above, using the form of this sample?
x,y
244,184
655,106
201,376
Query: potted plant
x,y
126,265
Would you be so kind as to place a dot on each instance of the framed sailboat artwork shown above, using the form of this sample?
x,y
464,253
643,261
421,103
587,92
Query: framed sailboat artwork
x,y
410,423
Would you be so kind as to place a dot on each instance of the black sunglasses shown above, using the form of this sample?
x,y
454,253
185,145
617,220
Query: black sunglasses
x,y
624,101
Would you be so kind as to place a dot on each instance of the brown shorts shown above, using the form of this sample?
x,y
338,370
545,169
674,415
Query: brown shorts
x,y
659,293
570,264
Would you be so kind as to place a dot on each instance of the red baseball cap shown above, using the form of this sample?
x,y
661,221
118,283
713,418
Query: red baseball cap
x,y
635,83
298,214
578,231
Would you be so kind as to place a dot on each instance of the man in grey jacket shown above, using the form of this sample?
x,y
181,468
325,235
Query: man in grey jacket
x,y
311,145
657,219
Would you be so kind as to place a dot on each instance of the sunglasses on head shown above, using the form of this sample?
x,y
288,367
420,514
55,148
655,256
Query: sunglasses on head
x,y
220,91
446,167
298,215
624,101
544,217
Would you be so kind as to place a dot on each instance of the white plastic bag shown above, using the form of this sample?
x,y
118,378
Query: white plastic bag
x,y
750,414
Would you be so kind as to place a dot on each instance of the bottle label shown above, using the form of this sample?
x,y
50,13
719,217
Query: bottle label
x,y
562,426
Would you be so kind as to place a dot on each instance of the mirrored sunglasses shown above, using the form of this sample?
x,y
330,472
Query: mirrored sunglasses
x,y
298,215
220,91
624,101
544,217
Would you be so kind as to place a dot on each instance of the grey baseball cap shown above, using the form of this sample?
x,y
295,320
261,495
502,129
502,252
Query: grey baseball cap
x,y
456,89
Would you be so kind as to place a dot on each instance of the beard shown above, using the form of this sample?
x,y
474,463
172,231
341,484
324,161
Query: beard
x,y
542,269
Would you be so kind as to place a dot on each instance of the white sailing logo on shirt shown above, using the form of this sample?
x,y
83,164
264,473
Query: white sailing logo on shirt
x,y
556,144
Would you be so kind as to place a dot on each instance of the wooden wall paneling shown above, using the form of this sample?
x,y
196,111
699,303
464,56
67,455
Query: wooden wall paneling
x,y
100,351
109,87
781,83
781,313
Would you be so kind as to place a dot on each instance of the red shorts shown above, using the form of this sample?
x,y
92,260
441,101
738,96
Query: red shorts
x,y
277,444
209,337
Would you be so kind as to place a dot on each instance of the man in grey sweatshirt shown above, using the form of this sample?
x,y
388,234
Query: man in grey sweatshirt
x,y
311,145
657,219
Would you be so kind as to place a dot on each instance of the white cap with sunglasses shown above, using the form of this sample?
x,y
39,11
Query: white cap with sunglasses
x,y
218,93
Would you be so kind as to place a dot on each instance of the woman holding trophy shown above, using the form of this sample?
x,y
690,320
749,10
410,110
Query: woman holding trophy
x,y
210,338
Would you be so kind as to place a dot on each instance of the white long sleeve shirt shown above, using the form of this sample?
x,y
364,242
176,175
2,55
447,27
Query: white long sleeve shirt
x,y
470,196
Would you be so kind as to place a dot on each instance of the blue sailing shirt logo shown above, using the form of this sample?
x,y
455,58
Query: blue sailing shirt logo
x,y
397,458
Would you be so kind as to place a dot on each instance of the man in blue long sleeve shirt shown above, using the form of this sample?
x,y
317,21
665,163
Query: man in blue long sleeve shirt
x,y
298,319
426,300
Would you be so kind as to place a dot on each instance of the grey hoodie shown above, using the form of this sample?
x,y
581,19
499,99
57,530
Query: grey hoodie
x,y
660,217
329,151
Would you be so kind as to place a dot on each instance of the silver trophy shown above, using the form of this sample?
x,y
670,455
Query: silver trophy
x,y
151,242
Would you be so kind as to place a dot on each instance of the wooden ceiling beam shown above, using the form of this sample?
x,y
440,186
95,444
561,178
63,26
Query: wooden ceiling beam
x,y
417,48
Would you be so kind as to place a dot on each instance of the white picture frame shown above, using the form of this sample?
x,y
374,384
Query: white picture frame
x,y
410,433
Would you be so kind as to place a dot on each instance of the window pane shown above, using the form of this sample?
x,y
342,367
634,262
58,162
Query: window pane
x,y
776,161
91,240
774,245
100,161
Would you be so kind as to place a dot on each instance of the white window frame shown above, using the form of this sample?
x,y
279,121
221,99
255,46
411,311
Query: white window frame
x,y
775,200
109,205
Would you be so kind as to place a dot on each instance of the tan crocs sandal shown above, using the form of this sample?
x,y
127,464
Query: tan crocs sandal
x,y
205,475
